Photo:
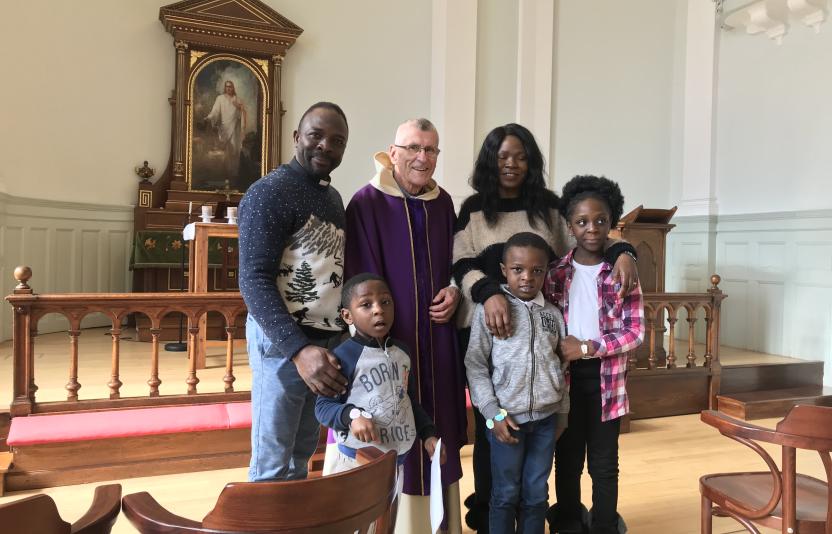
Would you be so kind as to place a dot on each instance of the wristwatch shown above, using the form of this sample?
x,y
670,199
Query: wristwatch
x,y
489,423
355,413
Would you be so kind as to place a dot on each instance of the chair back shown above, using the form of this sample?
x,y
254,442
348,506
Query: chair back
x,y
814,423
342,503
37,513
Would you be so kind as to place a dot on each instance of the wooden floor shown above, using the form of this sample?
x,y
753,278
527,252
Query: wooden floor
x,y
661,459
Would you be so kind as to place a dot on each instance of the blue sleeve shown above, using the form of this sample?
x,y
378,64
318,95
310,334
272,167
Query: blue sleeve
x,y
333,412
266,224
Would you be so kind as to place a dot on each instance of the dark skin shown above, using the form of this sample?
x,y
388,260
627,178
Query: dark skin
x,y
513,166
371,312
590,222
320,141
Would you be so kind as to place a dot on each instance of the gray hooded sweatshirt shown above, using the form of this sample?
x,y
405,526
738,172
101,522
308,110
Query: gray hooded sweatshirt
x,y
521,374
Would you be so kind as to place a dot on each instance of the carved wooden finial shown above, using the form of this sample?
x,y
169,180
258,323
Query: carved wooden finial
x,y
715,280
22,274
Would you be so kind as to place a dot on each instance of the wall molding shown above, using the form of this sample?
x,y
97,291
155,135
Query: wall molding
x,y
777,271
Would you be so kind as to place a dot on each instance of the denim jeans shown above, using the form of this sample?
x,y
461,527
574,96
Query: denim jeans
x,y
519,475
588,436
284,430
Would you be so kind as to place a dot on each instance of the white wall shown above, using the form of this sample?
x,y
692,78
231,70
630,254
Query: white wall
x,y
615,89
92,79
774,122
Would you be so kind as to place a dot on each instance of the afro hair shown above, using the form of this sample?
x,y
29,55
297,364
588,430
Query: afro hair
x,y
587,186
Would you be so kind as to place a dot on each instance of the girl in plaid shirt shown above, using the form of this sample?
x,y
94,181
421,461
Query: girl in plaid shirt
x,y
603,326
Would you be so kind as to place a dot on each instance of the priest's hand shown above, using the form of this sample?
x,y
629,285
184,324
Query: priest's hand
x,y
430,447
320,370
498,316
444,304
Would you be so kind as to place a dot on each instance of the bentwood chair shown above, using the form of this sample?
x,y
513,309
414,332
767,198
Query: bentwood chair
x,y
778,498
38,513
343,503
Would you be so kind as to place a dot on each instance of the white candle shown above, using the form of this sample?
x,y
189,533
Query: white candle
x,y
190,207
231,212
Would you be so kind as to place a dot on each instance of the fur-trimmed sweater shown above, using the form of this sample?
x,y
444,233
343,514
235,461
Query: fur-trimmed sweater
x,y
478,247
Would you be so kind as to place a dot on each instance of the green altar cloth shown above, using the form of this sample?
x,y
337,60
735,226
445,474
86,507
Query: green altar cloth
x,y
162,248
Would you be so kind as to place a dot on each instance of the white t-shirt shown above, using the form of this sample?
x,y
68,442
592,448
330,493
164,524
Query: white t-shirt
x,y
583,302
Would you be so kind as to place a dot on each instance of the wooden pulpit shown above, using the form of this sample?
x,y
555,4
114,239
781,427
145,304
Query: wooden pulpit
x,y
646,229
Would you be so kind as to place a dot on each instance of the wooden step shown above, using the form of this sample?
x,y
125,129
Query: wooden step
x,y
772,402
767,376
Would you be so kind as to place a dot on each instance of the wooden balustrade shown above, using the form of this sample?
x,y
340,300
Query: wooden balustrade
x,y
660,309
656,305
664,308
29,308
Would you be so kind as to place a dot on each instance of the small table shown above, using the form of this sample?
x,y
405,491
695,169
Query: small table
x,y
198,233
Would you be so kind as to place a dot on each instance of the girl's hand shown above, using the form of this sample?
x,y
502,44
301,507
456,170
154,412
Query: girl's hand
x,y
364,429
502,432
430,447
498,316
570,348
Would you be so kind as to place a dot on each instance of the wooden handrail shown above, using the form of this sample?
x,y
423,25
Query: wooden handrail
x,y
29,308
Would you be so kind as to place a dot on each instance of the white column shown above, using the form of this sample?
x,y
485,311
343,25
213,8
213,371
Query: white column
x,y
698,176
453,92
535,36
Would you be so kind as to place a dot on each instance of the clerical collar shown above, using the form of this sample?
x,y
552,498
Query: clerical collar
x,y
297,167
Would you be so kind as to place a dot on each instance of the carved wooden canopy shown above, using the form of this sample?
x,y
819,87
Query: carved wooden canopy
x,y
247,26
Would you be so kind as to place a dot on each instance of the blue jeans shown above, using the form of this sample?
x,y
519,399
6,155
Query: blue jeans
x,y
519,475
284,430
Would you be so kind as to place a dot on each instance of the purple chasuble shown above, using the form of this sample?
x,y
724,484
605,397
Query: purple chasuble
x,y
410,242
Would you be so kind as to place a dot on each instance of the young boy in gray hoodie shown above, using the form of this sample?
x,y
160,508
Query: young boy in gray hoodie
x,y
518,385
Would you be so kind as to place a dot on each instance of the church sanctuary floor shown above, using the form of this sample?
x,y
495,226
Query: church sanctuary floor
x,y
661,459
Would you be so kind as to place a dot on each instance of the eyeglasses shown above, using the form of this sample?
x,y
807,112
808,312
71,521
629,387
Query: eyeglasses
x,y
430,151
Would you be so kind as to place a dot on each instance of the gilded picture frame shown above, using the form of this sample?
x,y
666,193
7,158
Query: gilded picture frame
x,y
227,130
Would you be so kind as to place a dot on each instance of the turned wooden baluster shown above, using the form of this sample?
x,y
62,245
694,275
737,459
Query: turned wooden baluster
x,y
712,322
229,357
73,385
651,327
708,354
154,381
671,328
193,335
115,384
23,347
691,338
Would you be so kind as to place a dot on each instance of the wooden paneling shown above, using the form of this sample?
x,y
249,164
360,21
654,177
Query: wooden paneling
x,y
72,247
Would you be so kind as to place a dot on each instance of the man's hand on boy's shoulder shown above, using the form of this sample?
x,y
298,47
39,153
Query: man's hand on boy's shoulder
x,y
364,429
321,371
430,447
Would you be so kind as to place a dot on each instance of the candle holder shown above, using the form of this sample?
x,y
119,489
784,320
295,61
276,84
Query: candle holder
x,y
231,214
207,213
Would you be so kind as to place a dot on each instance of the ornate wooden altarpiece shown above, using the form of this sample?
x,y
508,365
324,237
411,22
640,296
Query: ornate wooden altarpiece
x,y
225,132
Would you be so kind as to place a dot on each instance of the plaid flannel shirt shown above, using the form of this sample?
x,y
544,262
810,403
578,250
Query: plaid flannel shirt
x,y
621,324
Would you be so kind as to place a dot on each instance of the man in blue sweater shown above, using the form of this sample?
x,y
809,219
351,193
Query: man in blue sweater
x,y
291,269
